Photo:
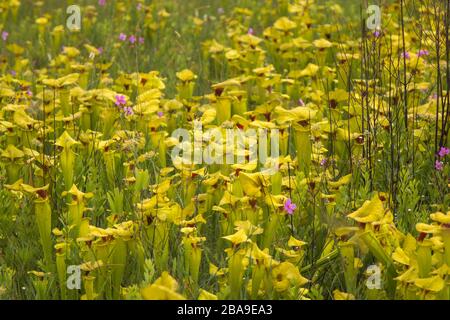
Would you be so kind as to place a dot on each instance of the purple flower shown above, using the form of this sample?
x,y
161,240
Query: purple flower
x,y
251,31
13,73
406,55
439,165
377,33
160,114
100,50
423,53
29,93
5,35
132,39
128,111
139,6
122,36
101,2
120,100
289,206
323,162
443,152
141,40
301,103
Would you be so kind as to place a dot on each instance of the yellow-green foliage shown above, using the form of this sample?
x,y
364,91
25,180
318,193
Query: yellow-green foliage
x,y
87,176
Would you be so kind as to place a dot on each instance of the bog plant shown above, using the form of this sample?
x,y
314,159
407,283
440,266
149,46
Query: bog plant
x,y
351,200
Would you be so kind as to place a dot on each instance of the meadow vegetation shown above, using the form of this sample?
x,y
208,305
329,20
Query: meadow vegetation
x,y
359,205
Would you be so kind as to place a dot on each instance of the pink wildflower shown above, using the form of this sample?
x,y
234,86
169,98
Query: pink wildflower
x,y
122,36
443,152
439,165
289,207
5,35
120,100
